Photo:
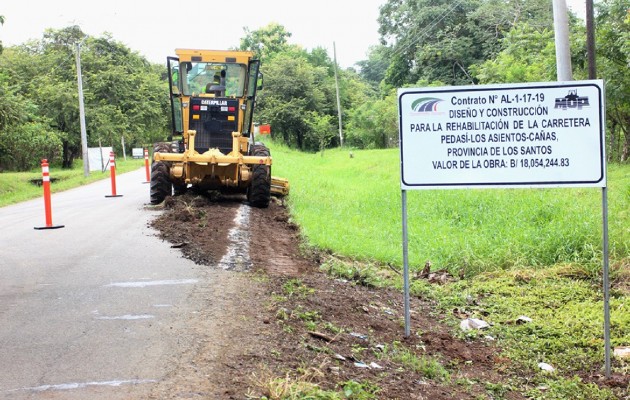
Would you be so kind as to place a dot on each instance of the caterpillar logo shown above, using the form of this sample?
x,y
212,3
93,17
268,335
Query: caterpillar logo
x,y
572,100
214,102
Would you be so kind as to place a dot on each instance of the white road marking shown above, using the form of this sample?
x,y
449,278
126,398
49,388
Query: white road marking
x,y
162,305
129,317
142,284
76,385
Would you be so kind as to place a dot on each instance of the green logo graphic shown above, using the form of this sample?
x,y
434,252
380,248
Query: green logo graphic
x,y
425,104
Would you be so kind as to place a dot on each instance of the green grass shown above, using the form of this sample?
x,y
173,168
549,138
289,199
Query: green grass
x,y
352,206
16,186
300,388
425,365
532,252
566,330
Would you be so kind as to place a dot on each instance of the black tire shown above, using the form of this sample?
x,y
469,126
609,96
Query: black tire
x,y
162,147
161,185
160,182
259,191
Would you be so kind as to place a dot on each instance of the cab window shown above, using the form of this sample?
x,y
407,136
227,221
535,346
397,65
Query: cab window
x,y
225,78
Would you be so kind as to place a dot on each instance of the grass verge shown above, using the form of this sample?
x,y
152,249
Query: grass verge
x,y
352,206
518,252
19,186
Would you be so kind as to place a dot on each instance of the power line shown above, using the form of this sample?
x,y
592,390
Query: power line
x,y
403,48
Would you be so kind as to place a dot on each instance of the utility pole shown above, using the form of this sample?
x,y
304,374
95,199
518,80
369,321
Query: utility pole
x,y
338,100
84,146
590,40
561,29
122,142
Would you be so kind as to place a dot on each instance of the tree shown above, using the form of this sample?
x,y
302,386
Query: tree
x,y
438,40
374,123
373,69
496,18
299,99
318,57
322,130
430,38
528,55
10,115
45,73
266,41
25,134
1,23
26,144
125,96
613,44
10,106
290,93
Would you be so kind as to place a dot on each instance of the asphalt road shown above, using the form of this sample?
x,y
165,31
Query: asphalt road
x,y
94,309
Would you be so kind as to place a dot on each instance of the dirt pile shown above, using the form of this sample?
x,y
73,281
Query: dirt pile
x,y
286,319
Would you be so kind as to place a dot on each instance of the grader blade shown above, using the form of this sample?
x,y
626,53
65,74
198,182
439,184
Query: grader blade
x,y
279,186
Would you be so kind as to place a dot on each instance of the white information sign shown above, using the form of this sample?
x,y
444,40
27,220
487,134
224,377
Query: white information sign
x,y
137,152
98,157
515,135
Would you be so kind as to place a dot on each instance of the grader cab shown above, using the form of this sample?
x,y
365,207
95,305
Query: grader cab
x,y
213,96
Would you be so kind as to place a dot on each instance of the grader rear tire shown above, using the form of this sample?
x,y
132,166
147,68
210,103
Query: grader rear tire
x,y
259,191
161,185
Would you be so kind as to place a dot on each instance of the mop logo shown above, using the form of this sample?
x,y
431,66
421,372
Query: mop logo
x,y
571,101
426,105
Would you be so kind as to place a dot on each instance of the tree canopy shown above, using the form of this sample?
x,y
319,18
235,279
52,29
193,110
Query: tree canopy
x,y
124,96
423,43
1,23
299,99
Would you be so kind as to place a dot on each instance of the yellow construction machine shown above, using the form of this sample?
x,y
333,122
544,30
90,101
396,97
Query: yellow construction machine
x,y
213,95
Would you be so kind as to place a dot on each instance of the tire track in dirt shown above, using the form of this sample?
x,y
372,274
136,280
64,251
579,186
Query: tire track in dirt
x,y
230,336
226,331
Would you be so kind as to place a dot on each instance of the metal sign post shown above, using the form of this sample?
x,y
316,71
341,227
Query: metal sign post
x,y
405,265
605,282
535,135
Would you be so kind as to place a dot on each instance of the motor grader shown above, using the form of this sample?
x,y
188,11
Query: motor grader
x,y
213,96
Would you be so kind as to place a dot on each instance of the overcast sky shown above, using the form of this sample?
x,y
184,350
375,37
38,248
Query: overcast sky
x,y
156,28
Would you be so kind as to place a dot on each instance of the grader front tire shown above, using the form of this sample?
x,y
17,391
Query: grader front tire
x,y
259,192
161,185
